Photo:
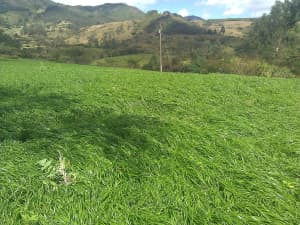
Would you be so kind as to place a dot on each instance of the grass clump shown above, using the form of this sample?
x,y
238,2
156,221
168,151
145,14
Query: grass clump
x,y
146,148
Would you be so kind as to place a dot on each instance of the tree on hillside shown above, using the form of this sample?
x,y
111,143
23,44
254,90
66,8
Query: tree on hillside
x,y
272,29
7,40
9,45
37,29
108,41
93,41
222,31
269,36
58,41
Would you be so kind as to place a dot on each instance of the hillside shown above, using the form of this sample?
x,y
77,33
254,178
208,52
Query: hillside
x,y
119,30
93,35
111,32
172,25
146,148
143,29
234,27
182,39
18,12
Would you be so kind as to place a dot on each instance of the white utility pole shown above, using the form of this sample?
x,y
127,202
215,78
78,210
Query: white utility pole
x,y
160,47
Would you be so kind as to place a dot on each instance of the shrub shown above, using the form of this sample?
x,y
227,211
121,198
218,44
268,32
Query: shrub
x,y
258,68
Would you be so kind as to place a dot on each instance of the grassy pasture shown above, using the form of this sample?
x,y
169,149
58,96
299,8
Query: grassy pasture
x,y
146,148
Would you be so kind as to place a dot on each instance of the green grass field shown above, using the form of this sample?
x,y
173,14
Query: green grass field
x,y
146,148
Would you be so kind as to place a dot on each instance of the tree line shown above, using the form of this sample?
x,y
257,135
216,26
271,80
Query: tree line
x,y
275,37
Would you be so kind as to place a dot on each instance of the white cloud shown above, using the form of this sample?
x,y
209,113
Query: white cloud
x,y
100,2
205,16
234,11
238,7
184,12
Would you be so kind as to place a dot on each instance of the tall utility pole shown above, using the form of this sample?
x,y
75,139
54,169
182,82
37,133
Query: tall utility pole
x,y
160,48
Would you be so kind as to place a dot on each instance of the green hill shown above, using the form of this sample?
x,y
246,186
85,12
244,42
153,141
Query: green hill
x,y
146,148
18,12
174,24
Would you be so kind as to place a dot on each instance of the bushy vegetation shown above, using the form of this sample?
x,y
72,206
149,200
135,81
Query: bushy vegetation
x,y
275,37
8,45
7,40
236,65
89,145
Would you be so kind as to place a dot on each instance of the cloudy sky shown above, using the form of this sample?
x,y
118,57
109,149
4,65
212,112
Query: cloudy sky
x,y
204,8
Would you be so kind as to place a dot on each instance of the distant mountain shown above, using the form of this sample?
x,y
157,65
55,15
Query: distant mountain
x,y
193,18
14,12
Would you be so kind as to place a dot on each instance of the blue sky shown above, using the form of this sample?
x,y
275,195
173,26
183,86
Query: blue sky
x,y
208,9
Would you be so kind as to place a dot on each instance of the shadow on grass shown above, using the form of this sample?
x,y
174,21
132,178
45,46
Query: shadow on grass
x,y
27,114
136,142
131,142
12,99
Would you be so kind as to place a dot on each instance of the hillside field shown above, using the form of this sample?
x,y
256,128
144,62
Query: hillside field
x,y
146,148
